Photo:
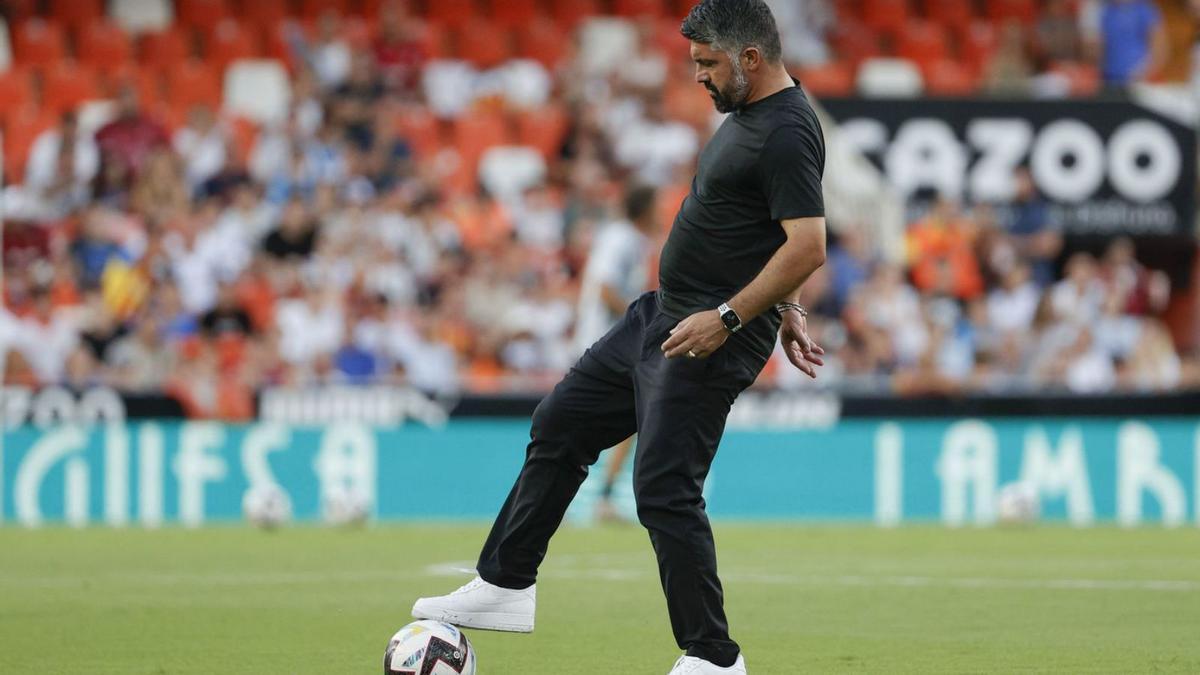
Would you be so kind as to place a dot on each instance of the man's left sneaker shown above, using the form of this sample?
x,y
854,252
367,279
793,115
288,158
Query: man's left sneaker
x,y
690,665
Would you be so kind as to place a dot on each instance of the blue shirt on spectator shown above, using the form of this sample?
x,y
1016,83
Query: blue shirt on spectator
x,y
1127,27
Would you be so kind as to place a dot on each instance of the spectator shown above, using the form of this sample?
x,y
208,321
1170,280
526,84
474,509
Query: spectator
x,y
296,235
1009,70
202,145
62,154
851,259
399,50
227,317
1035,237
1129,38
941,252
132,137
1056,35
143,361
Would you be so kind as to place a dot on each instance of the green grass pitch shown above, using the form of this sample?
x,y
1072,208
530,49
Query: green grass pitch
x,y
824,599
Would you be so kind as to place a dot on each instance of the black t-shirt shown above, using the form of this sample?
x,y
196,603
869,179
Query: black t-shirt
x,y
763,166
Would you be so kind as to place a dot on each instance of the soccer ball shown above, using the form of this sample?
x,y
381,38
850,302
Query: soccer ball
x,y
267,506
346,507
1018,503
429,648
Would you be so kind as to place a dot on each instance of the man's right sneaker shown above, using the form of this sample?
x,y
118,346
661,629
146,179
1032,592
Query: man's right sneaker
x,y
690,665
482,605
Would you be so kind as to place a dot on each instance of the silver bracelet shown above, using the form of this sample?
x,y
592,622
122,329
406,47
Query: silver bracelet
x,y
791,306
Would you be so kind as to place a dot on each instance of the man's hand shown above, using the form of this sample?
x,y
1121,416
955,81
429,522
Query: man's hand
x,y
800,349
697,336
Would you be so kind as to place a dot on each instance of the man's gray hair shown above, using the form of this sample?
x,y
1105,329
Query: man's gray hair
x,y
731,26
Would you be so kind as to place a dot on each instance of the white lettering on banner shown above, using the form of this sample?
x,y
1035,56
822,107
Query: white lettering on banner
x,y
346,461
1002,144
116,475
1138,469
16,401
100,404
150,475
925,153
968,463
889,475
1083,175
260,440
76,495
1153,179
194,466
1066,474
54,405
52,447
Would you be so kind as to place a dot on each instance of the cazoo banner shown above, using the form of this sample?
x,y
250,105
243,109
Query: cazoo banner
x,y
1104,167
147,474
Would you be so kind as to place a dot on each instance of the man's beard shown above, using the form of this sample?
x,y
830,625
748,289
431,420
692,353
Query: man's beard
x,y
734,94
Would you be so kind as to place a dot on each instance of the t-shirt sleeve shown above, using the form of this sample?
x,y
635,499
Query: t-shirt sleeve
x,y
793,160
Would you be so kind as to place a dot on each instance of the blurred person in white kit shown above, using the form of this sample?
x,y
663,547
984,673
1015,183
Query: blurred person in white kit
x,y
617,272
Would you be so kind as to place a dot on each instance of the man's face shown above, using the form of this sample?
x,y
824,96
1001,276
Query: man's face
x,y
723,77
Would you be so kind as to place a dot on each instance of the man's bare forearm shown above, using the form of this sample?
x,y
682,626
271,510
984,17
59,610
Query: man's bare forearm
x,y
784,274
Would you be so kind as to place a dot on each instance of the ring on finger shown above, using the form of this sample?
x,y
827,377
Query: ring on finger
x,y
692,354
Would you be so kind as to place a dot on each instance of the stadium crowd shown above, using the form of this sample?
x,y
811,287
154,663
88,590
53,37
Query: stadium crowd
x,y
346,244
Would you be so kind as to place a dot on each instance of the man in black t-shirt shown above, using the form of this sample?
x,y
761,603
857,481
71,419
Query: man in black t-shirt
x,y
749,234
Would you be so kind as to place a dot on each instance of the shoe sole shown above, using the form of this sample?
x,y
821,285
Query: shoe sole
x,y
497,621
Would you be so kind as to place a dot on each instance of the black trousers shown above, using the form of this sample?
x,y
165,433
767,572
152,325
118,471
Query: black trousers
x,y
622,385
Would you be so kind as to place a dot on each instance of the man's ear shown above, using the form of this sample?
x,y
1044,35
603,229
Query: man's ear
x,y
751,58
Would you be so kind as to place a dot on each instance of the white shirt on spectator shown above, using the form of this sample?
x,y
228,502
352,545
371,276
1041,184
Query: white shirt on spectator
x,y
41,168
1012,310
307,331
617,259
203,154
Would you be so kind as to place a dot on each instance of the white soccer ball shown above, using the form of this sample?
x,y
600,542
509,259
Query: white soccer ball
x,y
346,507
1018,503
267,506
429,648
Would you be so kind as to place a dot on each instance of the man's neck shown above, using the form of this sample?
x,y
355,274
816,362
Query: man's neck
x,y
774,81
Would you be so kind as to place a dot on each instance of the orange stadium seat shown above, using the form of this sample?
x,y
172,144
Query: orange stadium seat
x,y
638,8
104,44
570,13
543,129
475,132
542,40
193,82
1083,78
420,129
886,16
922,41
451,12
20,10
16,89
201,14
956,14
229,41
76,14
948,77
831,79
670,40
38,42
264,13
978,44
1000,11
165,48
855,43
682,8
66,84
484,43
513,13
358,32
311,9
21,129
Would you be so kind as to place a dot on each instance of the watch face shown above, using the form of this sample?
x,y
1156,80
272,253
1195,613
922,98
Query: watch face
x,y
730,318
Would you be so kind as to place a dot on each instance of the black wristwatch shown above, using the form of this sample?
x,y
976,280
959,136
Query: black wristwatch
x,y
733,322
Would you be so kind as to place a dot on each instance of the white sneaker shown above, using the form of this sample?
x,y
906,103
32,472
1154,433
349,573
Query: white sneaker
x,y
691,665
482,605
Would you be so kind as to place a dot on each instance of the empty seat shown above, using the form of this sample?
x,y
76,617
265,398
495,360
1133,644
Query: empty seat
x,y
1001,11
75,13
570,13
264,14
418,126
140,16
948,77
542,40
257,89
923,42
229,41
639,8
886,16
889,78
544,129
311,9
38,42
956,14
452,12
831,79
166,48
484,52
21,129
146,81
513,13
192,82
104,44
978,44
854,43
67,84
476,132
16,89
202,14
